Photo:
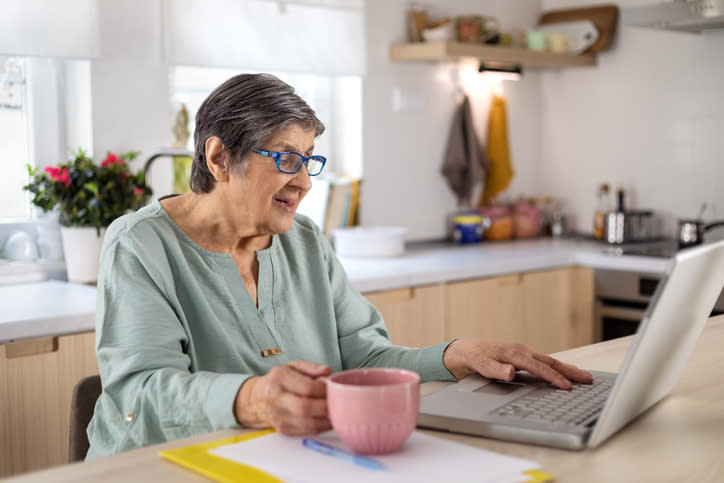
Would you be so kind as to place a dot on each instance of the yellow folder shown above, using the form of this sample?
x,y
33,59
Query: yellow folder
x,y
198,458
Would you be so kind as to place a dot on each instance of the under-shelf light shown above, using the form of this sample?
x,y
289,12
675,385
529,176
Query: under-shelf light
x,y
501,70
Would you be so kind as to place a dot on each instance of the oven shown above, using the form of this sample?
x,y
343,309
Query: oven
x,y
623,296
621,301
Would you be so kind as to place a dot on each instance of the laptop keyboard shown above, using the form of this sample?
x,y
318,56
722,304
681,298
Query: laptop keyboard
x,y
574,406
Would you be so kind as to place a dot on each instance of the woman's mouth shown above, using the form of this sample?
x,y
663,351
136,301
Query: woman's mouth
x,y
287,205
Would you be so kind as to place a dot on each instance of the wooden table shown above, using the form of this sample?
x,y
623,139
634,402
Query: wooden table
x,y
679,439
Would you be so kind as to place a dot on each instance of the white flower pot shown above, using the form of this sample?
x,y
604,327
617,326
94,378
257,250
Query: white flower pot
x,y
82,251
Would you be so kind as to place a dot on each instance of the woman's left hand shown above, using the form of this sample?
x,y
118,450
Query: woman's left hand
x,y
464,357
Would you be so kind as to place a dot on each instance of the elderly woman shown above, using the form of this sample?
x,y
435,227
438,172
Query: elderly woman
x,y
220,308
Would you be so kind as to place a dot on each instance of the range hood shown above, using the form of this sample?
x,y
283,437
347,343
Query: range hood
x,y
696,16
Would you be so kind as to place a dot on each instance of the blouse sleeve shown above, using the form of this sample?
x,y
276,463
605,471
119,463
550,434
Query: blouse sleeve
x,y
149,393
363,337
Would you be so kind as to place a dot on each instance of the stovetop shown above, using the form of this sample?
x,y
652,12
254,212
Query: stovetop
x,y
658,249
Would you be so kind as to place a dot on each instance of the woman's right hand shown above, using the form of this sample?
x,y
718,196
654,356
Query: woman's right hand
x,y
289,398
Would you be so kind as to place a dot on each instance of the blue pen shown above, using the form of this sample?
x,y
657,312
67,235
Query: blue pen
x,y
357,459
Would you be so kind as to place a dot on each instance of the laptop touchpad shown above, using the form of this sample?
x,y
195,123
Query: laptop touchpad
x,y
499,388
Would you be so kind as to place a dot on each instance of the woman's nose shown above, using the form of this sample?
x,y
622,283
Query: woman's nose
x,y
301,178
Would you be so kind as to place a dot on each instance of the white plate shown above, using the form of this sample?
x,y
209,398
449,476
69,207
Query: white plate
x,y
581,33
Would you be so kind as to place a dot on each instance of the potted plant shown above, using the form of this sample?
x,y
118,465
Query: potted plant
x,y
87,198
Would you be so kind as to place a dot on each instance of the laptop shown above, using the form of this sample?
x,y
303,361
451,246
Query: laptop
x,y
530,410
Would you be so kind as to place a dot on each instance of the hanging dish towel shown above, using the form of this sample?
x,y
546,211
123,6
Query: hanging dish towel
x,y
500,170
464,165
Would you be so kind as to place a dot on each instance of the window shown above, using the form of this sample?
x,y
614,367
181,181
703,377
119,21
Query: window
x,y
14,129
45,113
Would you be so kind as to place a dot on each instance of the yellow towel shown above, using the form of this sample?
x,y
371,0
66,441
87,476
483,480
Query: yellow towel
x,y
500,170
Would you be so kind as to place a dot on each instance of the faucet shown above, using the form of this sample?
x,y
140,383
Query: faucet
x,y
161,152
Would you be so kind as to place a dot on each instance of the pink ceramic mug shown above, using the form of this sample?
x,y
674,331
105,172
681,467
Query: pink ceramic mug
x,y
373,411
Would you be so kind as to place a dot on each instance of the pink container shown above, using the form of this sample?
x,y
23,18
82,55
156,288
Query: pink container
x,y
373,411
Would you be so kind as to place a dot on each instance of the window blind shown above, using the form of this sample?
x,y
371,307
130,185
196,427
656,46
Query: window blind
x,y
323,36
49,28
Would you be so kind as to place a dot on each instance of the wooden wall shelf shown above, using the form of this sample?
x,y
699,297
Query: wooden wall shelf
x,y
436,51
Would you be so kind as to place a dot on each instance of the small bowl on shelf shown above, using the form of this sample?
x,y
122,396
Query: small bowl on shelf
x,y
441,31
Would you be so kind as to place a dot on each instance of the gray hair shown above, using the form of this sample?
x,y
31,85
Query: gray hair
x,y
243,112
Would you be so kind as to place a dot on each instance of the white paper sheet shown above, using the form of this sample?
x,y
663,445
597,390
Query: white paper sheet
x,y
422,458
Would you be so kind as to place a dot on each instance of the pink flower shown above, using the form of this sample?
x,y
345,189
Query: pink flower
x,y
138,191
64,177
58,175
110,160
53,172
125,175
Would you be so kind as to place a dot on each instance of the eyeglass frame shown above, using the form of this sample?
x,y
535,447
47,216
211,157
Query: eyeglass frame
x,y
277,156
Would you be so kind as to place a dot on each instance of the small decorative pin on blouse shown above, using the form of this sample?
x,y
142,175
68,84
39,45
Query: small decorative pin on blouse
x,y
275,351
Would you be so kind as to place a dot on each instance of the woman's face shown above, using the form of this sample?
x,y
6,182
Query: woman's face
x,y
262,195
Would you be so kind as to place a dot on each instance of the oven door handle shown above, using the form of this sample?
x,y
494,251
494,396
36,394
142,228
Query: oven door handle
x,y
624,313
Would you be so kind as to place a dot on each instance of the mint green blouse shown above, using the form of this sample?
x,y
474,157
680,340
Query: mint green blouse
x,y
177,332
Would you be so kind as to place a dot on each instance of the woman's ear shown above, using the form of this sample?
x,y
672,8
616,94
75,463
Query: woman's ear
x,y
216,158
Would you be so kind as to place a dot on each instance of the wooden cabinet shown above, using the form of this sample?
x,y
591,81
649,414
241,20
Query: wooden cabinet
x,y
37,377
558,308
484,308
549,310
415,316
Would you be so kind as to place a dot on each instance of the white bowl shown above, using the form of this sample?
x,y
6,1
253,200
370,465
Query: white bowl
x,y
362,241
441,33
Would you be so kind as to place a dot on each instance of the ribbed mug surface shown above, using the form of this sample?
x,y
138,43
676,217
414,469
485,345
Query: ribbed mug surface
x,y
373,411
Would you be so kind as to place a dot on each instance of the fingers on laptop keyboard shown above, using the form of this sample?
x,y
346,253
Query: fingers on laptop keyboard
x,y
570,371
524,358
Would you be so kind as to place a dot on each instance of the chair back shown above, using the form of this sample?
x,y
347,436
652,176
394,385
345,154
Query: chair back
x,y
85,394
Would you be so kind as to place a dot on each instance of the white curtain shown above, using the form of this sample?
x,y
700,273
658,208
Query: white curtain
x,y
49,28
323,36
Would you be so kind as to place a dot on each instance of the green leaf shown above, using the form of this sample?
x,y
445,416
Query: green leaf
x,y
92,187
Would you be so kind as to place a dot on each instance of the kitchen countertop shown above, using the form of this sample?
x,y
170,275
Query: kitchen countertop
x,y
41,309
424,264
51,307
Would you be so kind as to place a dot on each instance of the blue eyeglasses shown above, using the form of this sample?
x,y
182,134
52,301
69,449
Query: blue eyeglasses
x,y
291,162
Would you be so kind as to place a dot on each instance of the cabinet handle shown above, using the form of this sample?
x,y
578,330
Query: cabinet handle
x,y
510,280
399,295
31,347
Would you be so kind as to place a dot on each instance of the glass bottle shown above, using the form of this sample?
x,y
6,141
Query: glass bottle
x,y
603,206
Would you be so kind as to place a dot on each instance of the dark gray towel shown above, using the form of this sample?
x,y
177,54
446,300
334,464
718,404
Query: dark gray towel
x,y
464,165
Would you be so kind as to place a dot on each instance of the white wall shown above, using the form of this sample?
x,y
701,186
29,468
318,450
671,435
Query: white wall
x,y
403,151
649,118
